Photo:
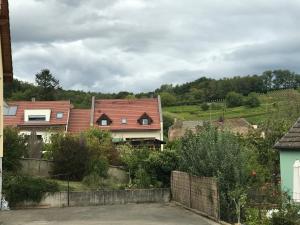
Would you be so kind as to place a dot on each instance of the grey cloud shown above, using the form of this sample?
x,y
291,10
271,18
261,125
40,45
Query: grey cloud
x,y
137,45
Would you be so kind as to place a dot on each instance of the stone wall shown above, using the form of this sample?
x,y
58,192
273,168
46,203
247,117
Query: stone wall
x,y
44,168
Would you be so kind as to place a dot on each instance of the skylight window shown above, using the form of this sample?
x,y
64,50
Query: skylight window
x,y
59,115
124,121
10,110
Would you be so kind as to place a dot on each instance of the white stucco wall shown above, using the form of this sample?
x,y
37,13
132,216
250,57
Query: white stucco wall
x,y
46,135
137,134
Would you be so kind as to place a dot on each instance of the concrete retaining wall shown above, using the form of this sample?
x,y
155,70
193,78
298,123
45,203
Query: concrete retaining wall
x,y
36,167
105,197
44,168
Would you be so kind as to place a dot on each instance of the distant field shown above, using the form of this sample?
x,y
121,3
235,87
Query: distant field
x,y
253,115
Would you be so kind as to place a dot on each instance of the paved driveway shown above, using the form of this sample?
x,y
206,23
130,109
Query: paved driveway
x,y
135,214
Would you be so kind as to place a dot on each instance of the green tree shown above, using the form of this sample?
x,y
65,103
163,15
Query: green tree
x,y
47,84
212,153
167,99
234,99
14,148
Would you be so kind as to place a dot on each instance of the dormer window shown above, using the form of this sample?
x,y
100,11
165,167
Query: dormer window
x,y
104,120
124,121
145,120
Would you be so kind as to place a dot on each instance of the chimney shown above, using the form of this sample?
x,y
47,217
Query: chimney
x,y
92,112
33,99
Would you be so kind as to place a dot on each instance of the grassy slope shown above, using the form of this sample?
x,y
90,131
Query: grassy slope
x,y
253,115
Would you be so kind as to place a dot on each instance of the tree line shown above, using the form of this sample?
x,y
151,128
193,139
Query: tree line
x,y
204,89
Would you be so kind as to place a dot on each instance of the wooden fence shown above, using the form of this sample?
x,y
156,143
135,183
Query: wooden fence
x,y
199,193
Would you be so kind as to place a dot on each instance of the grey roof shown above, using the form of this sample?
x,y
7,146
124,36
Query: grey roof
x,y
290,140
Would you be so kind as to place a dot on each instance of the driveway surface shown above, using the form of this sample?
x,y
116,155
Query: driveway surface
x,y
132,214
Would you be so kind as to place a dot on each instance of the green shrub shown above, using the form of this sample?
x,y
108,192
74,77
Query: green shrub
x,y
18,188
14,148
205,107
70,156
289,214
161,164
93,181
234,99
142,179
98,167
252,101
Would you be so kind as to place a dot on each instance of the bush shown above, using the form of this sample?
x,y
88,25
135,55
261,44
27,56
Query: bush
x,y
98,167
234,99
252,101
288,214
142,179
18,188
93,181
14,148
161,164
70,156
79,156
205,107
149,168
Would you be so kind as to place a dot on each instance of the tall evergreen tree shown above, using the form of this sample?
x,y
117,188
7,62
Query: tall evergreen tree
x,y
47,84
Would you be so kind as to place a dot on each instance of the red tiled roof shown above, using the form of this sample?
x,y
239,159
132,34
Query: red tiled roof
x,y
132,110
5,41
54,106
79,120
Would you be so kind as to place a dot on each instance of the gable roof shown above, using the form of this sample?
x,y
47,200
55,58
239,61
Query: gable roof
x,y
54,106
290,140
132,110
5,41
79,120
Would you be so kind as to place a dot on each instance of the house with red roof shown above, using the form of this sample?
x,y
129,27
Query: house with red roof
x,y
135,121
42,117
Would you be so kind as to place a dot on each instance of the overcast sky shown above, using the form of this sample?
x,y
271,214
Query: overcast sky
x,y
137,45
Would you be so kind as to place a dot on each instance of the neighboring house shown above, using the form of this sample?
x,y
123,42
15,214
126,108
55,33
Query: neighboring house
x,y
179,128
133,121
137,121
289,147
42,117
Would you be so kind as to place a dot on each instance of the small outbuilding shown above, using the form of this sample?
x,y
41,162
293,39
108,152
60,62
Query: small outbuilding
x,y
289,147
